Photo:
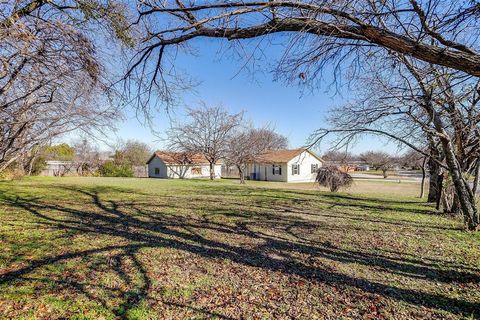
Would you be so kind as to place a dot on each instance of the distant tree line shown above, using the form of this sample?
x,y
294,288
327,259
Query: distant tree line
x,y
83,158
376,160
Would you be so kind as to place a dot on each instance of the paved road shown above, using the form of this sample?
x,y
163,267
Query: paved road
x,y
402,175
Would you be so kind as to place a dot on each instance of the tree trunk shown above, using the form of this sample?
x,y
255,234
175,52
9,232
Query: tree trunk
x,y
466,200
422,186
450,201
435,181
242,176
212,171
477,178
30,165
385,175
4,164
455,209
438,193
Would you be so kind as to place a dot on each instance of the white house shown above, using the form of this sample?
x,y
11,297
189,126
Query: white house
x,y
165,164
296,165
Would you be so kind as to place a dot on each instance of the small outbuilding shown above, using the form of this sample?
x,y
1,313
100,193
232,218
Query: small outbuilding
x,y
287,165
180,165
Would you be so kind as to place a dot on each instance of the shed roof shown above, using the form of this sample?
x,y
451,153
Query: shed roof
x,y
171,157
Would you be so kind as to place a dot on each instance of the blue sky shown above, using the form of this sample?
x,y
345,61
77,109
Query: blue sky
x,y
286,108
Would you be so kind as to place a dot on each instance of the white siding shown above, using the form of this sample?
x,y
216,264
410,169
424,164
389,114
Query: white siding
x,y
253,171
157,163
189,171
266,170
181,171
218,171
305,160
275,177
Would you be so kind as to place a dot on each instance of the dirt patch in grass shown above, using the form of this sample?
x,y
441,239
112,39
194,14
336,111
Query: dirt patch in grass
x,y
149,249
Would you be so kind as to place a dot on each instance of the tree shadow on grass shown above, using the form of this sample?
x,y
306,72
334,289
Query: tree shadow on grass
x,y
340,212
143,228
333,199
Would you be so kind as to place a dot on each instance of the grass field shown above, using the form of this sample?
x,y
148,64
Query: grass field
x,y
113,248
379,189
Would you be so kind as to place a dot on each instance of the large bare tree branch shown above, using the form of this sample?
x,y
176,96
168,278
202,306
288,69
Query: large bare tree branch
x,y
340,20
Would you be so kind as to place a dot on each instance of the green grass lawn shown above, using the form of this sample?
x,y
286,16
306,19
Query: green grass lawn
x,y
113,248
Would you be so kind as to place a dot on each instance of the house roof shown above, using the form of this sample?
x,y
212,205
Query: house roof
x,y
282,155
170,157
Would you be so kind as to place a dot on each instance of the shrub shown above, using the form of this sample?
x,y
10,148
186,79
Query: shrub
x,y
334,179
12,173
38,165
110,169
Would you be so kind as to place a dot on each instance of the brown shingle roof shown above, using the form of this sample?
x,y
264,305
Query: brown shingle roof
x,y
170,157
281,156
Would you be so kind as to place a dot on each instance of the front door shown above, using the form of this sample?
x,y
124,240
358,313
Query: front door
x,y
265,173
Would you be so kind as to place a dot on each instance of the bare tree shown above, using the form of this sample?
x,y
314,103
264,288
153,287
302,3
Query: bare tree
x,y
319,33
24,126
342,157
132,153
87,157
417,105
411,160
52,79
207,132
248,143
379,160
421,37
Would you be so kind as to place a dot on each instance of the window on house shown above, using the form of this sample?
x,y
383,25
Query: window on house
x,y
295,169
157,170
276,169
314,168
196,170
